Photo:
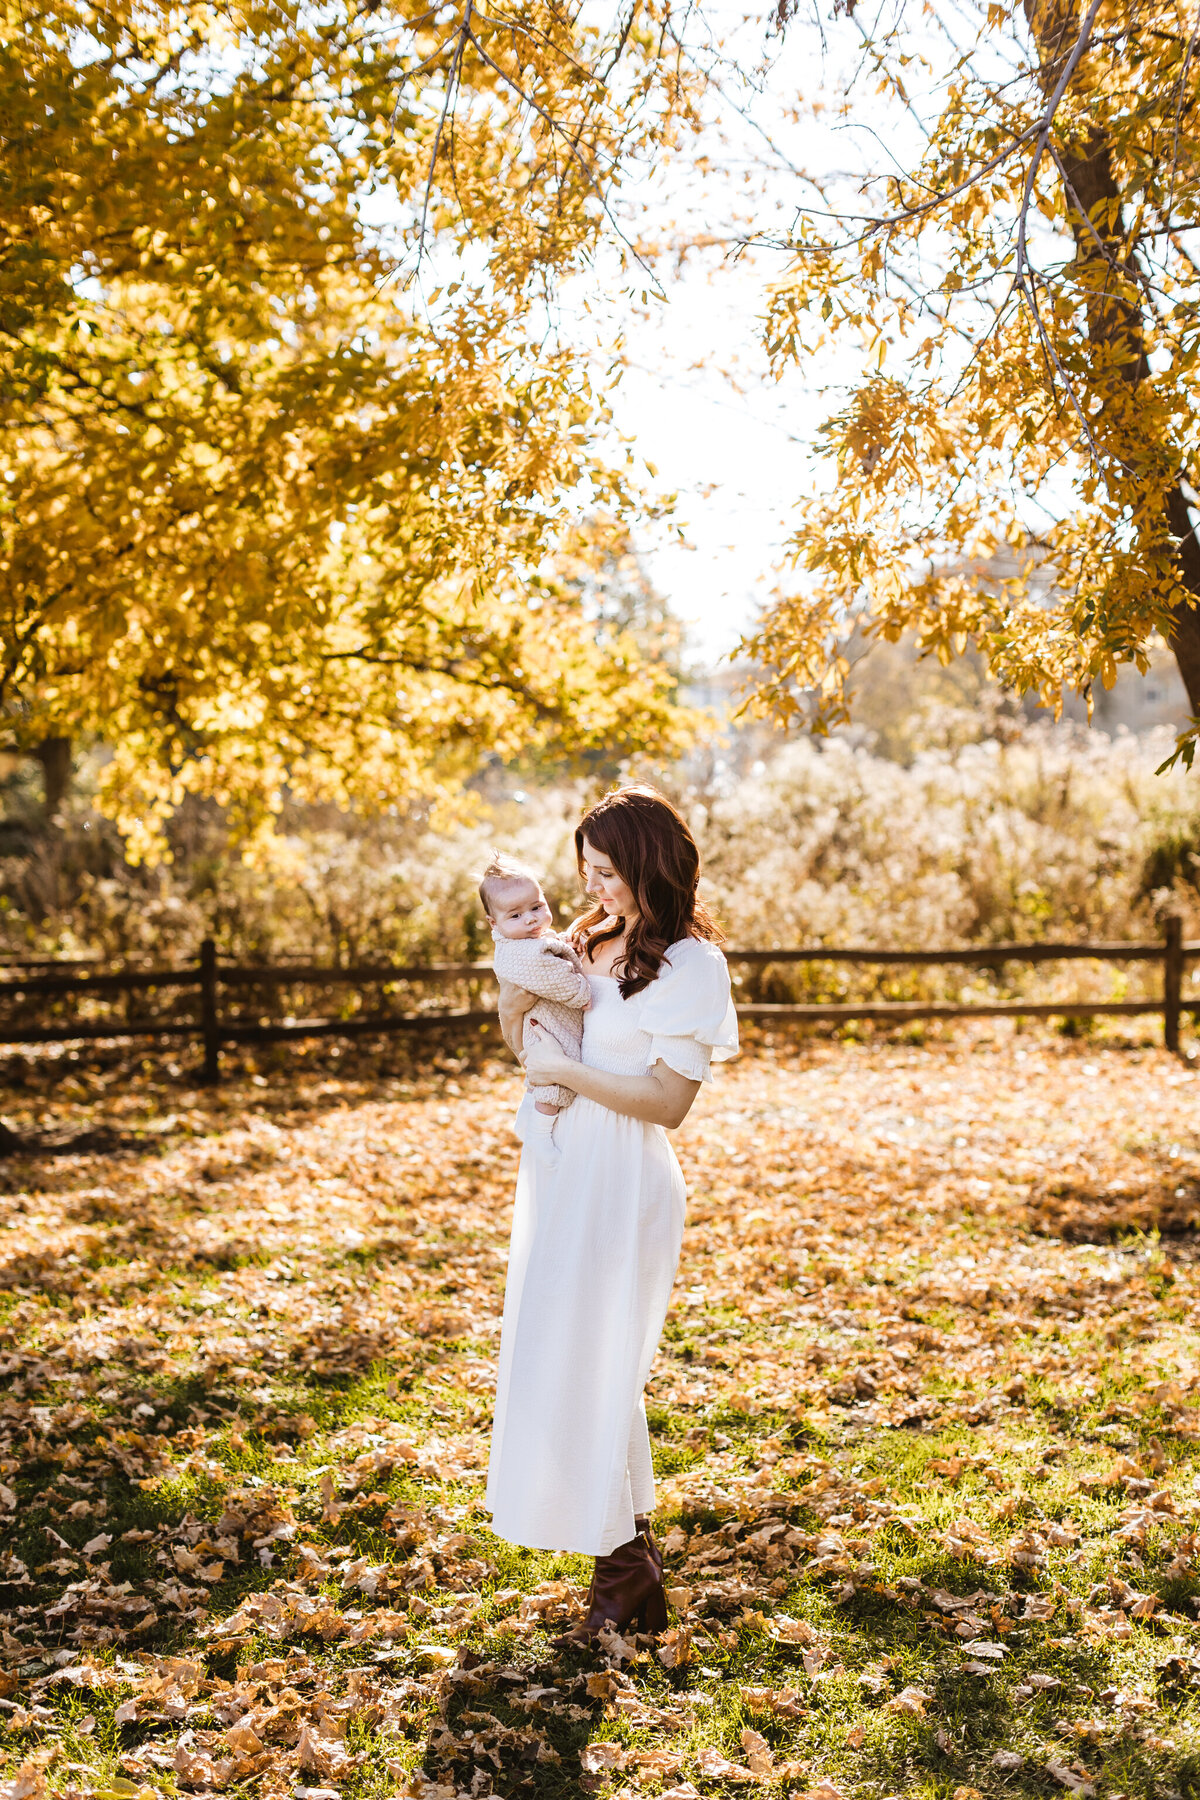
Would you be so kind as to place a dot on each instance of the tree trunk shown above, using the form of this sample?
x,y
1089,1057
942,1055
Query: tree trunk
x,y
1107,258
54,754
1184,635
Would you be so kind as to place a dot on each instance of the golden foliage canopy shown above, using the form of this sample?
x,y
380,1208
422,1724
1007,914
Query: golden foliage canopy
x,y
278,508
1016,464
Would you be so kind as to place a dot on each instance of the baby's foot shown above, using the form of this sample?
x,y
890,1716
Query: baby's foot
x,y
541,1138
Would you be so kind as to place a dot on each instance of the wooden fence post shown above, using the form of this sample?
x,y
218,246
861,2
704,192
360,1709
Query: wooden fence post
x,y
1172,981
208,1013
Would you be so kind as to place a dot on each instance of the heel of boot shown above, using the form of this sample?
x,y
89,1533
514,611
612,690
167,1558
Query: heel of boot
x,y
652,1615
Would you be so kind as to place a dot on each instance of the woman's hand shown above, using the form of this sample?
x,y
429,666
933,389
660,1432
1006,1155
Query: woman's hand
x,y
515,1002
545,1063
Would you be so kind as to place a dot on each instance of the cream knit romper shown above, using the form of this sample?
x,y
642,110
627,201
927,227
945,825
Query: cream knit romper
x,y
552,969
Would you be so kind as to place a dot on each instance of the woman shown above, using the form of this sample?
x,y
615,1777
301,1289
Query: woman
x,y
596,1238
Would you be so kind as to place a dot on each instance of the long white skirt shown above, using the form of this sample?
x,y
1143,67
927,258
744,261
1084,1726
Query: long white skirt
x,y
595,1244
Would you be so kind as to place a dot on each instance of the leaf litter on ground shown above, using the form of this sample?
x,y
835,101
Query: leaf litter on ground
x,y
925,1416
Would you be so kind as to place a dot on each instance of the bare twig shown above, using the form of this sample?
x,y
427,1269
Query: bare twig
x,y
622,40
1024,282
408,74
1039,130
1048,350
538,37
879,64
559,131
1185,253
464,33
1115,264
1044,127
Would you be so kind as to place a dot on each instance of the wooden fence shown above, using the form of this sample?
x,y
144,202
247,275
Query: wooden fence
x,y
209,979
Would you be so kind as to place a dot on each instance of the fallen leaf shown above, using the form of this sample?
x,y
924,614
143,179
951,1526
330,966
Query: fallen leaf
x,y
1076,1779
709,1761
29,1782
331,1506
759,1758
661,1764
243,1738
674,1648
793,1631
597,1758
324,1755
786,1703
983,1647
912,1700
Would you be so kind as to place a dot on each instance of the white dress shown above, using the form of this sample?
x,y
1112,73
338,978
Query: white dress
x,y
595,1242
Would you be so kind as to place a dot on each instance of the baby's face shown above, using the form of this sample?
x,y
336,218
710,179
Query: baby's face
x,y
520,910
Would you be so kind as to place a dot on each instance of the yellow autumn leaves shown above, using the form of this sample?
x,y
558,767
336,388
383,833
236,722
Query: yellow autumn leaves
x,y
274,521
1021,479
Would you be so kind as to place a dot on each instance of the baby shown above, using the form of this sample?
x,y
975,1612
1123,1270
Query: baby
x,y
529,953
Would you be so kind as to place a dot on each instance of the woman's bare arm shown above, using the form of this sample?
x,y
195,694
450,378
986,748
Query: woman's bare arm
x,y
663,1097
515,1002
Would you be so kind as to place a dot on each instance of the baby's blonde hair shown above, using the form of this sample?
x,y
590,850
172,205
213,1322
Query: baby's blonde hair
x,y
500,869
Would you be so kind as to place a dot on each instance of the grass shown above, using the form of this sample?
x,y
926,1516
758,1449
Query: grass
x,y
924,1417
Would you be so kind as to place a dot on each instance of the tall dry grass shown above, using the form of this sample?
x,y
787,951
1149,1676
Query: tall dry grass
x,y
1054,833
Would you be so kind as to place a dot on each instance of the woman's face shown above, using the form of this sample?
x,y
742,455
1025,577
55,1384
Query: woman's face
x,y
605,885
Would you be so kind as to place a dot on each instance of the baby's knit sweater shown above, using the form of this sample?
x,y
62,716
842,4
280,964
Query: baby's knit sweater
x,y
551,968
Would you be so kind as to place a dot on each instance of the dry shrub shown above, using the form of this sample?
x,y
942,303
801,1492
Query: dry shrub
x,y
1054,833
1057,832
337,890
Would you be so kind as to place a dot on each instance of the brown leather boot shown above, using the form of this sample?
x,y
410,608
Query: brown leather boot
x,y
642,1523
627,1589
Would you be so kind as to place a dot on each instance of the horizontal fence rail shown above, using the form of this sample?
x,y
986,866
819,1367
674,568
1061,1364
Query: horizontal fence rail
x,y
37,978
937,1009
992,956
50,962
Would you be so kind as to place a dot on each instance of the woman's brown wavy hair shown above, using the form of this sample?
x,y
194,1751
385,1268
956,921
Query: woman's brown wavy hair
x,y
648,843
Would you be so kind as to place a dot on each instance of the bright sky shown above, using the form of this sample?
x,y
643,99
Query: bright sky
x,y
732,457
739,456
735,452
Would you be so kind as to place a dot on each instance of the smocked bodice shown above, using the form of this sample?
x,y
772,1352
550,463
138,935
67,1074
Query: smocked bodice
x,y
684,1018
612,1039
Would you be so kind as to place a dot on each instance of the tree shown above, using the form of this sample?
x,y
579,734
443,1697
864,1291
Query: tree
x,y
288,439
1016,465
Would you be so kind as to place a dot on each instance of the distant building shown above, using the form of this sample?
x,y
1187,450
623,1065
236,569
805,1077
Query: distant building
x,y
721,689
1136,702
902,702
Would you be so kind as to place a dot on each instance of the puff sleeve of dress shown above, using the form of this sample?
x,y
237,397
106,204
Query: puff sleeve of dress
x,y
687,1011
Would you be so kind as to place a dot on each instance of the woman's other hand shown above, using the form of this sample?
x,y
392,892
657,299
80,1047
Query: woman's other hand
x,y
545,1064
515,1002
